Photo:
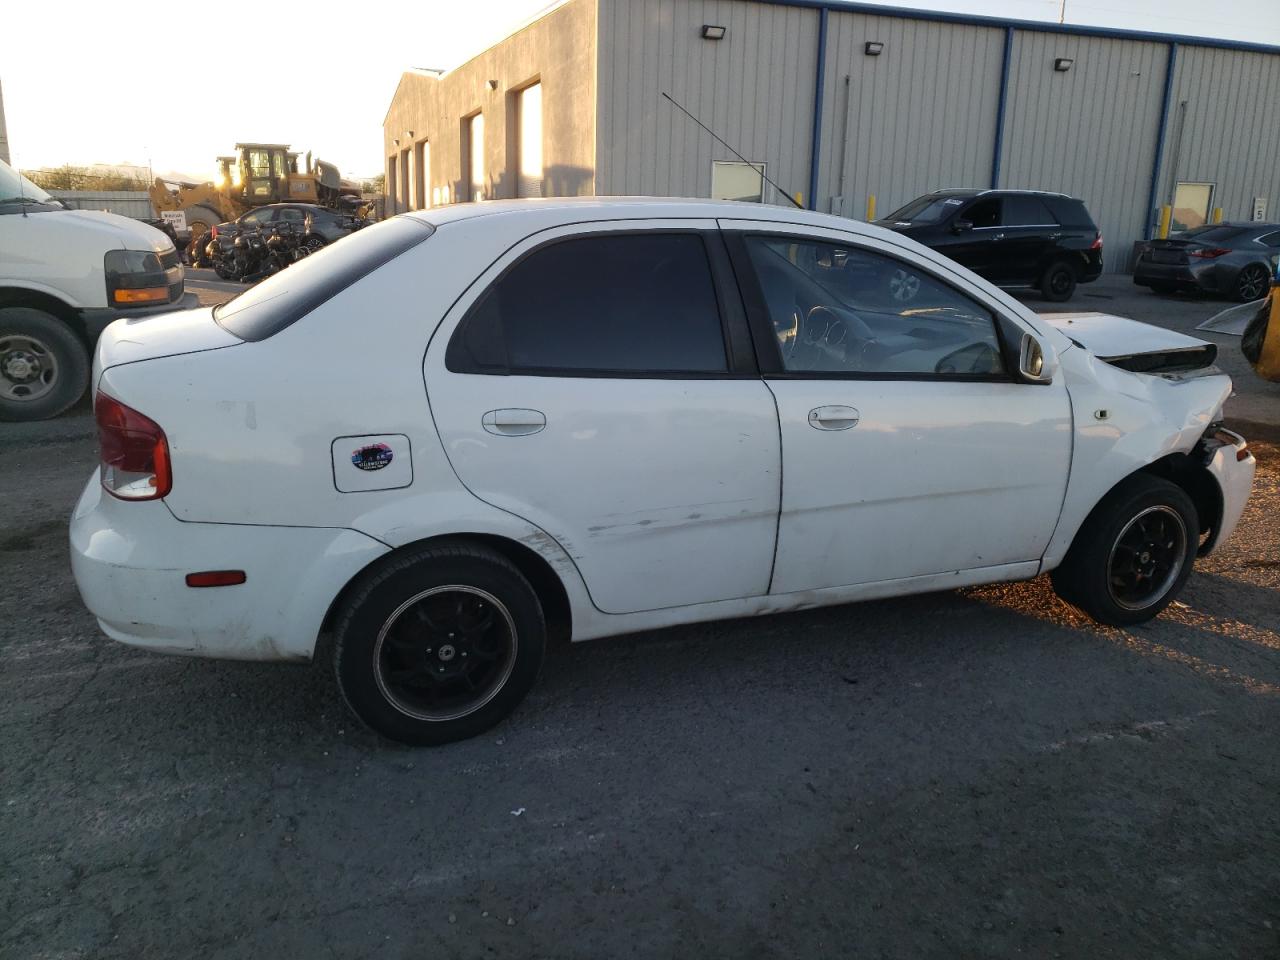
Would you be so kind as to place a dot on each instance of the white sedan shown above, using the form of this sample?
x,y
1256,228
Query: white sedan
x,y
462,429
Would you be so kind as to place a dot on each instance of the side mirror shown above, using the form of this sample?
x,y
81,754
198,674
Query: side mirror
x,y
962,226
1033,366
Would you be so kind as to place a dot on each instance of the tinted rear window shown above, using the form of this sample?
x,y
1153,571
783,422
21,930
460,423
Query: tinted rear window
x,y
1070,212
629,303
291,294
1026,211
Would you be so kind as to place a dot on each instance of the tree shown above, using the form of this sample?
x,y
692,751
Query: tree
x,y
68,177
374,184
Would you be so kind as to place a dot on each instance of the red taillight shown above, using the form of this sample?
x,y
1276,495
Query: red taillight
x,y
1097,242
134,452
1209,253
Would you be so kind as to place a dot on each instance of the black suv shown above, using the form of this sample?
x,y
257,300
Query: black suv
x,y
1014,238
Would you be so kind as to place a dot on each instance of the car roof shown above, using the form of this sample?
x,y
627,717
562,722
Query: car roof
x,y
586,209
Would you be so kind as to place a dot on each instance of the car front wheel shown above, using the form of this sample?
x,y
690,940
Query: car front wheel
x,y
44,368
439,644
1132,555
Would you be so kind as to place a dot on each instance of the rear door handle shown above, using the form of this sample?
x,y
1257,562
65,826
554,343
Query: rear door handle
x,y
513,422
834,417
998,236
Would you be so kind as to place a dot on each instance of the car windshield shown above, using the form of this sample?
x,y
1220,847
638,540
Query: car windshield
x,y
926,209
14,185
1211,233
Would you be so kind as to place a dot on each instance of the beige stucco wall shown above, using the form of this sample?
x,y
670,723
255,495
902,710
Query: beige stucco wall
x,y
559,51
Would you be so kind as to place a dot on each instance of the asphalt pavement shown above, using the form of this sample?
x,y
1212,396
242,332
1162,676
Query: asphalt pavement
x,y
976,773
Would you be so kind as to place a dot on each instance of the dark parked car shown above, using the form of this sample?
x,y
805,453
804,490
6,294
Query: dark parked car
x,y
328,225
1014,238
1229,259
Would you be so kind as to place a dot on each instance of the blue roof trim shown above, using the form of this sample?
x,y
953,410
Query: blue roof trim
x,y
843,6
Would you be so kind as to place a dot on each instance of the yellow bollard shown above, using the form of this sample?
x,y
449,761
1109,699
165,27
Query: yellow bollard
x,y
798,197
1217,214
871,207
1269,360
1166,214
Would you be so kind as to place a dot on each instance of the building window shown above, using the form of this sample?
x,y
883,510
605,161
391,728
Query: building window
x,y
473,147
734,180
1191,205
529,110
421,173
392,181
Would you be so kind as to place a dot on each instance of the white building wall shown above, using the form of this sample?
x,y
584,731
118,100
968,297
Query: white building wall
x,y
755,88
1091,131
919,116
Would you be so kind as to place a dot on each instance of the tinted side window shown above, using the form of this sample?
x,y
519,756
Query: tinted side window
x,y
844,309
292,214
984,213
1021,211
629,303
257,218
1271,240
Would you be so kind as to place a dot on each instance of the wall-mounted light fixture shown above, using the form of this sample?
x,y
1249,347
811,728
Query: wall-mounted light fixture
x,y
711,32
873,48
491,84
1063,64
396,141
409,134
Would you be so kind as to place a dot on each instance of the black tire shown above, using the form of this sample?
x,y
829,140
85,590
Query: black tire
x,y
44,365
1101,575
1252,283
1059,282
396,629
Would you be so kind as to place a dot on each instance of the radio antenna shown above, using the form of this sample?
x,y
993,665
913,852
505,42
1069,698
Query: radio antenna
x,y
720,140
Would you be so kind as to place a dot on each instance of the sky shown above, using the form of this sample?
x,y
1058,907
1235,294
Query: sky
x,y
100,85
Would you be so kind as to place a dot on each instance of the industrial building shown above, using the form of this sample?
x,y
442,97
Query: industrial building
x,y
844,105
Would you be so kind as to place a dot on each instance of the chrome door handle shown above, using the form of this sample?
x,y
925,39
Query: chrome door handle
x,y
513,422
998,236
834,417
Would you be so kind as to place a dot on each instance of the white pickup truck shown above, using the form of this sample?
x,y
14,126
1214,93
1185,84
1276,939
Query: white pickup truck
x,y
64,275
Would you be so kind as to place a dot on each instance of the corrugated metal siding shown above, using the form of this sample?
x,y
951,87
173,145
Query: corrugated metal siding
x,y
127,203
919,116
755,88
1231,135
1090,132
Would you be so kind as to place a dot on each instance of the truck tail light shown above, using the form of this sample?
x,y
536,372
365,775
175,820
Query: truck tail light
x,y
1209,253
134,452
1097,242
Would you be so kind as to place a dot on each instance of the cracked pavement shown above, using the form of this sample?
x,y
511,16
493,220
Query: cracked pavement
x,y
972,773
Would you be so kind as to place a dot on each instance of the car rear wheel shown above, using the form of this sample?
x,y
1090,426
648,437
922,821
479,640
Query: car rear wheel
x,y
1252,283
439,645
1058,282
1133,553
44,367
